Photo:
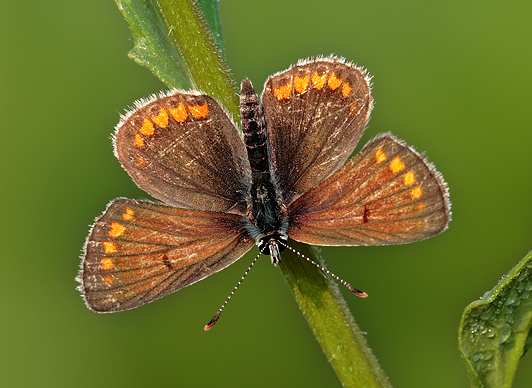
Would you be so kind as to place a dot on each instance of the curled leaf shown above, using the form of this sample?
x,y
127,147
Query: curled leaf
x,y
494,331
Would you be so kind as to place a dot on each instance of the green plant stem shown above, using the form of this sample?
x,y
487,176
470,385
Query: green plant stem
x,y
331,322
190,32
173,40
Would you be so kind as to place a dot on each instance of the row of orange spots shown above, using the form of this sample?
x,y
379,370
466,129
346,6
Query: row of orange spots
x,y
396,166
417,191
107,265
162,119
147,128
318,81
409,179
109,247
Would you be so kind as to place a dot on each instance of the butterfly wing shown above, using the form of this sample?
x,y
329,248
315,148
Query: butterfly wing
x,y
315,113
387,194
183,149
139,251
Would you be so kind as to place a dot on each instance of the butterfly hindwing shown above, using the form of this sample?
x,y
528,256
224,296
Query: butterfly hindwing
x,y
183,149
140,251
315,114
387,194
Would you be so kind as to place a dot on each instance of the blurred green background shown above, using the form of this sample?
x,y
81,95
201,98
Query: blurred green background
x,y
451,78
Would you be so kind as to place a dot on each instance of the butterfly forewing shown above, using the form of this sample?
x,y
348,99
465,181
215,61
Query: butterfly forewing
x,y
387,194
139,251
315,114
185,151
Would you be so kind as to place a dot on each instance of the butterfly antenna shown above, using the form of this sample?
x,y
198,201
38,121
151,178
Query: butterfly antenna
x,y
354,290
213,321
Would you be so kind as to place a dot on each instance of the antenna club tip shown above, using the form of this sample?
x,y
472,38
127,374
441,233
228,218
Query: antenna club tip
x,y
212,322
356,291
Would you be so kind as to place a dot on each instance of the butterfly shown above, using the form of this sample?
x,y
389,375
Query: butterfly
x,y
285,174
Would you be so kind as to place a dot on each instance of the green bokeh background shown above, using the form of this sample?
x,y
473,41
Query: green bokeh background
x,y
451,78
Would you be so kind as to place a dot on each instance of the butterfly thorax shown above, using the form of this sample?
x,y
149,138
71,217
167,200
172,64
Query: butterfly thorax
x,y
264,210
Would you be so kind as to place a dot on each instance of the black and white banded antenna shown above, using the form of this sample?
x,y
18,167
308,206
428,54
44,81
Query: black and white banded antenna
x,y
213,321
354,290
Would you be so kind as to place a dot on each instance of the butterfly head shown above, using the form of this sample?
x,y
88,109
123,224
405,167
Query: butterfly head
x,y
273,244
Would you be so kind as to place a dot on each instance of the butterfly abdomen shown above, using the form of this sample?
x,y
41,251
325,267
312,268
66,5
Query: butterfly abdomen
x,y
264,211
254,130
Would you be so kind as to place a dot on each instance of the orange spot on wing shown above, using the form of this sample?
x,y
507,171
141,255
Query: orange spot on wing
x,y
380,155
107,264
109,247
161,119
108,279
417,192
116,230
139,141
199,111
283,92
334,82
421,206
318,80
147,128
397,165
180,113
128,214
346,89
409,178
301,83
140,162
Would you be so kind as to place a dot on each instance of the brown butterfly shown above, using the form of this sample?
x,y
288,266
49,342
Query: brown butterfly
x,y
285,175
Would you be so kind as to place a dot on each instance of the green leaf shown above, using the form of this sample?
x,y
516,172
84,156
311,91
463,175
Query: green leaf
x,y
331,322
212,16
153,47
174,41
495,330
